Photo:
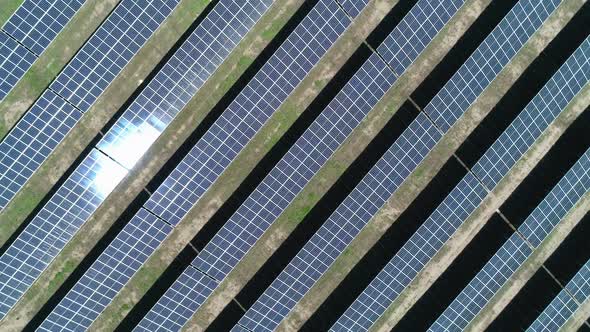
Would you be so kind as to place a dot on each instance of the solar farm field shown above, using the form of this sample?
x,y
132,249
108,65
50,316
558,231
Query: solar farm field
x,y
294,165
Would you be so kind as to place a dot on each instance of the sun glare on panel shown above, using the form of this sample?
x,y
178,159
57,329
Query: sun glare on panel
x,y
133,144
108,176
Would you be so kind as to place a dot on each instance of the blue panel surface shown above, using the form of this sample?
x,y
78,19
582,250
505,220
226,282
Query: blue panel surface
x,y
180,78
501,45
565,304
502,266
431,236
109,49
27,33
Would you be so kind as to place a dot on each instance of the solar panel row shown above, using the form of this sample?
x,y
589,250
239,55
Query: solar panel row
x,y
569,80
15,60
249,111
105,278
55,224
317,255
177,82
36,23
87,75
566,83
109,49
108,274
31,28
372,303
61,217
552,99
488,60
31,141
353,7
566,303
502,266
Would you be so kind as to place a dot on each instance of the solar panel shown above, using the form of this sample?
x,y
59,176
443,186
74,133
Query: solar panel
x,y
175,84
36,23
108,274
353,7
248,112
416,31
488,60
31,141
91,70
81,307
327,243
565,304
341,227
312,150
109,49
55,224
502,266
27,33
15,60
188,292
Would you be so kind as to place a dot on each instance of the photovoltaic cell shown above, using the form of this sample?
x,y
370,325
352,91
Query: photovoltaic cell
x,y
55,224
502,266
31,141
573,75
101,58
182,76
15,60
565,304
357,209
81,306
249,111
37,22
182,299
108,274
109,49
330,129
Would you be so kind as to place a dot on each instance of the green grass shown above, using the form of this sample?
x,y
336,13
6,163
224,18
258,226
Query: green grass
x,y
28,199
269,33
243,63
61,276
7,7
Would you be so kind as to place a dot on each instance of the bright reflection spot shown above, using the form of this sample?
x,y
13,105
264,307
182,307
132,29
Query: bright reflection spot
x,y
108,176
132,144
